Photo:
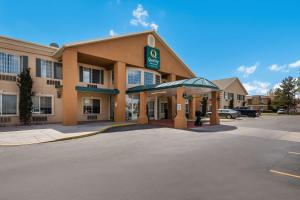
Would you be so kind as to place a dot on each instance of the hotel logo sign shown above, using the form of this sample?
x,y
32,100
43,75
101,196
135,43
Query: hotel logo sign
x,y
152,58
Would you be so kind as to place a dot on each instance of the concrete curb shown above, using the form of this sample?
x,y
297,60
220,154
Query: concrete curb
x,y
70,137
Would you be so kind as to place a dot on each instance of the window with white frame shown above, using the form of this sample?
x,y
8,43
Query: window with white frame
x,y
42,105
48,69
91,75
8,104
91,105
148,78
134,77
9,63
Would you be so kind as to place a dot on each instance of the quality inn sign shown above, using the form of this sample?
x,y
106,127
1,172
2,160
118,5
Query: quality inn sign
x,y
152,58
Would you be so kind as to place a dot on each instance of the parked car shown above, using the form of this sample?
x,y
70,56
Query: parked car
x,y
227,113
281,111
245,111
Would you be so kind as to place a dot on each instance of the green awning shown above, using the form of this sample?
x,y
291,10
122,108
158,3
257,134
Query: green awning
x,y
97,90
193,82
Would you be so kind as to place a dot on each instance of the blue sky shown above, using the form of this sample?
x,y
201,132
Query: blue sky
x,y
257,41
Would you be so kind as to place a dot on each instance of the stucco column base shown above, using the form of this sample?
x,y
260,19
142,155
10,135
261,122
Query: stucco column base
x,y
214,117
143,119
180,120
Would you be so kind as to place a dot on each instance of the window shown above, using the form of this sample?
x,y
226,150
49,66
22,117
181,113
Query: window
x,y
157,79
9,63
86,75
8,104
91,106
89,75
226,95
148,78
231,96
240,97
58,71
134,77
42,105
48,69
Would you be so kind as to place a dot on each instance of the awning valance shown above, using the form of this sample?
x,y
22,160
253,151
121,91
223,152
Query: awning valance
x,y
189,83
97,90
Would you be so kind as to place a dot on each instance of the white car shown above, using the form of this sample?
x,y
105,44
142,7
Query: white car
x,y
281,111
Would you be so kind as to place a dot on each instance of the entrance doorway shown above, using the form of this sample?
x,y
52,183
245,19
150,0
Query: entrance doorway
x,y
163,113
151,109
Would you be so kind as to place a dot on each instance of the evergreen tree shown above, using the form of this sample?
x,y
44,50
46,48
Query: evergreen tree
x,y
25,103
285,95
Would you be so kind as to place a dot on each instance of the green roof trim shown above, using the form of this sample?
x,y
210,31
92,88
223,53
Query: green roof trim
x,y
97,90
193,82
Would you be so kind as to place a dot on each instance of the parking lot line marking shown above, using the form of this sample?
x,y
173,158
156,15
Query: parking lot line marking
x,y
295,153
286,174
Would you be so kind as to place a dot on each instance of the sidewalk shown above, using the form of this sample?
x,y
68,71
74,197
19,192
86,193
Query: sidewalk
x,y
24,135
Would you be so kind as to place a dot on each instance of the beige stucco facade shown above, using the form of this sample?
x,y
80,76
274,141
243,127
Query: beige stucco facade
x,y
78,98
231,90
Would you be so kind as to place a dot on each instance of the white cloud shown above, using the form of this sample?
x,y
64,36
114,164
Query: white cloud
x,y
246,71
140,17
257,87
295,64
112,33
278,68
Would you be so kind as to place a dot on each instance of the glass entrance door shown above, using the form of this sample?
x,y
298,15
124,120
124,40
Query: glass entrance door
x,y
163,110
151,109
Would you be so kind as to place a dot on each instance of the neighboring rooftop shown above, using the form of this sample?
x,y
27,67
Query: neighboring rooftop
x,y
225,83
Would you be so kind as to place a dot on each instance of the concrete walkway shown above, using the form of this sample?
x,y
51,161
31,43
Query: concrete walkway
x,y
24,135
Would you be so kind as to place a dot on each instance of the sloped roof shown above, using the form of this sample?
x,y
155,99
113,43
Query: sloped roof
x,y
58,53
223,84
197,82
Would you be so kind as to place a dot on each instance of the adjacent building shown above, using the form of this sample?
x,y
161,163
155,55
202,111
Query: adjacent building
x,y
232,94
130,77
259,102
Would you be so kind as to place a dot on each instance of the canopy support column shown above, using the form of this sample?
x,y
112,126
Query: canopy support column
x,y
143,119
192,108
180,121
214,118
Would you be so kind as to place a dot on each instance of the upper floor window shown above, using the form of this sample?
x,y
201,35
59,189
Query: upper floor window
x,y
134,77
88,75
48,69
8,104
240,97
157,79
148,78
9,63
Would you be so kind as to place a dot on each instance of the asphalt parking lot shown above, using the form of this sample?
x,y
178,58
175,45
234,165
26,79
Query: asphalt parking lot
x,y
156,163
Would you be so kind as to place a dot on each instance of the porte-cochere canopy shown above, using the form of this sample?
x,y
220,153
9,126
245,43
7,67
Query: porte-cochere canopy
x,y
197,82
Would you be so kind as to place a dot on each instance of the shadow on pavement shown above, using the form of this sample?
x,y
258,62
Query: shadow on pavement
x,y
216,128
131,128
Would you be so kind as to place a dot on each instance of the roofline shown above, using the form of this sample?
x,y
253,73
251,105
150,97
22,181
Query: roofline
x,y
235,78
74,44
58,53
27,42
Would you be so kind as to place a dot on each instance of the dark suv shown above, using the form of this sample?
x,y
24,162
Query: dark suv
x,y
246,111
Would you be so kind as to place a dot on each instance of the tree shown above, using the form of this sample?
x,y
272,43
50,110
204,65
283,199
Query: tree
x,y
25,103
285,94
231,104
